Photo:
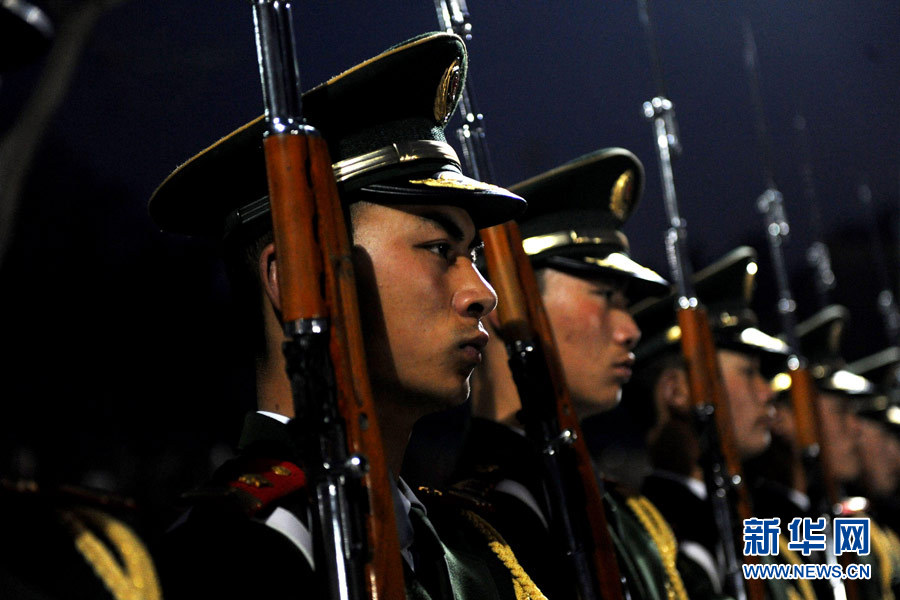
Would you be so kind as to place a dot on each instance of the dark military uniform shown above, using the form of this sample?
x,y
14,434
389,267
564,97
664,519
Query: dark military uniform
x,y
71,543
250,524
725,288
499,476
572,224
820,339
245,534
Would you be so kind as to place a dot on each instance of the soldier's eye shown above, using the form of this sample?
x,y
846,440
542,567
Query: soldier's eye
x,y
442,249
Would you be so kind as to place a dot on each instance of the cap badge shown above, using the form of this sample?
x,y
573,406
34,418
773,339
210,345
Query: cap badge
x,y
621,195
447,93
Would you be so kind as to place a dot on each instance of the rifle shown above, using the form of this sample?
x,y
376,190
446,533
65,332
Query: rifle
x,y
721,464
887,304
808,420
357,554
817,255
575,497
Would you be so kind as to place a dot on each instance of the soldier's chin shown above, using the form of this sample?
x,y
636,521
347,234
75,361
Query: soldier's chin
x,y
757,447
589,407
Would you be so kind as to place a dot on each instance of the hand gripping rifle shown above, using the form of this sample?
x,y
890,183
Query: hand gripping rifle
x,y
356,551
803,392
575,497
721,464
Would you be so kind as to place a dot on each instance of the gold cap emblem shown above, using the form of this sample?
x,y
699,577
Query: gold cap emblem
x,y
621,195
447,92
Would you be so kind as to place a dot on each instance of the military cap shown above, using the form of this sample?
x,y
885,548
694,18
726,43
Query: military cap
x,y
384,123
25,32
881,368
725,288
819,338
575,215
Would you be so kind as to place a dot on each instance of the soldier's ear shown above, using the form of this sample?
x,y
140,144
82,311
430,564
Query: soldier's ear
x,y
268,275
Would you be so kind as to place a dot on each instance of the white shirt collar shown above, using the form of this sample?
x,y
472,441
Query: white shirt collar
x,y
404,500
696,486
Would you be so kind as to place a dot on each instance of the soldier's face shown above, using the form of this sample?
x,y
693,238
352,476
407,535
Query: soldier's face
x,y
878,451
840,428
751,401
595,335
422,301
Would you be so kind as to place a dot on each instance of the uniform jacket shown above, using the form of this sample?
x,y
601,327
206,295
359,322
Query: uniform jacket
x,y
231,545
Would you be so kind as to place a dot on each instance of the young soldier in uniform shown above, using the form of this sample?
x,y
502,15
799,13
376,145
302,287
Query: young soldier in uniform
x,y
414,221
571,233
839,393
660,391
879,443
879,454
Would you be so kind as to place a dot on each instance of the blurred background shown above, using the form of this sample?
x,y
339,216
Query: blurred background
x,y
120,368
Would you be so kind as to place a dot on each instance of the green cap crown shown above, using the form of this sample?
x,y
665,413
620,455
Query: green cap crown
x,y
384,123
725,288
575,215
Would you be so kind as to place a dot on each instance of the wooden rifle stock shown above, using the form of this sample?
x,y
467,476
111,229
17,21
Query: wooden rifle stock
x,y
808,425
707,390
705,381
309,255
522,318
319,302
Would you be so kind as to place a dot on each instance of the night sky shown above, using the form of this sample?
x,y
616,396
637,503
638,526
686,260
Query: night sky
x,y
121,366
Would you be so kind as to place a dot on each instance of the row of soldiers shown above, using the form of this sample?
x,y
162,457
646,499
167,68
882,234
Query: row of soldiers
x,y
470,494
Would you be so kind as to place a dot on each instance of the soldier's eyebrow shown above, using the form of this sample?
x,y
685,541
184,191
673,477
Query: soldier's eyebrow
x,y
451,227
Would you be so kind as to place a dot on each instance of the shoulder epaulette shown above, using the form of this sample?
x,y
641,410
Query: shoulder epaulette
x,y
64,495
251,484
464,495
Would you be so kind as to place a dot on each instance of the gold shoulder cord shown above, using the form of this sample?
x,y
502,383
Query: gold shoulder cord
x,y
132,578
525,588
894,545
661,534
882,549
806,588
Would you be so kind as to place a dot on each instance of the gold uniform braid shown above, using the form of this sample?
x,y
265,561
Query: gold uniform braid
x,y
132,577
661,534
806,588
894,546
523,585
881,546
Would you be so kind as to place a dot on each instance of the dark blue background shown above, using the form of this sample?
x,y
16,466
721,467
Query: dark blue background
x,y
121,366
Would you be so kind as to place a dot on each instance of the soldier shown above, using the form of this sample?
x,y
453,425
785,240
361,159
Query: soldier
x,y
414,221
879,453
879,442
572,235
660,392
839,394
